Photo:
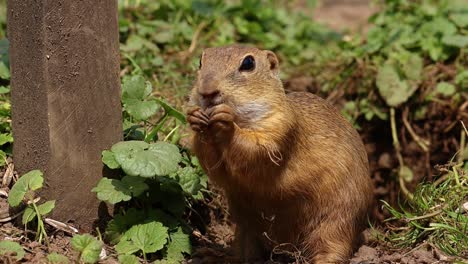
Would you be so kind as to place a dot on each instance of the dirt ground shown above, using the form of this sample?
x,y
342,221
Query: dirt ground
x,y
345,14
213,247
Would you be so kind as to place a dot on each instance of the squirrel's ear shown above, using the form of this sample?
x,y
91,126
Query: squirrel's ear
x,y
273,60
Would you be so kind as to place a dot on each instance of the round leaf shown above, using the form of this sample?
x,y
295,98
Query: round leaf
x,y
112,191
189,180
108,158
88,246
149,238
115,191
28,215
11,248
55,258
128,259
46,207
168,154
459,41
179,243
140,109
135,87
159,159
30,181
406,173
445,88
393,90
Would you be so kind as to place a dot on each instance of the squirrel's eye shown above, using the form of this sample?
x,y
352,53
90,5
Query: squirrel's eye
x,y
248,64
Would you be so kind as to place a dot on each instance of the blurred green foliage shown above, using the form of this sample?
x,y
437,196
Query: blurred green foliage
x,y
165,38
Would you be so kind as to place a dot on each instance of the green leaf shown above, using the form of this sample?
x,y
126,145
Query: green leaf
x,y
28,215
129,146
135,87
46,207
459,41
2,158
135,185
462,79
169,156
5,138
122,222
88,246
171,111
179,243
112,191
189,180
128,259
439,25
164,36
126,247
434,47
108,158
12,249
115,191
30,181
413,66
4,89
147,160
141,110
393,90
4,71
406,173
160,216
445,88
170,196
135,91
460,19
134,43
56,258
148,238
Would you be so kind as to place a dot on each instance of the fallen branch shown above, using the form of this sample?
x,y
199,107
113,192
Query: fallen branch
x,y
61,226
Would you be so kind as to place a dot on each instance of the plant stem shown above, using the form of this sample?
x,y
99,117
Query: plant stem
x,y
424,144
461,152
40,226
455,173
137,67
172,132
396,145
424,216
155,130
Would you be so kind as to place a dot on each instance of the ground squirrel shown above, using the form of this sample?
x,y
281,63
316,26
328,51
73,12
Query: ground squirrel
x,y
294,171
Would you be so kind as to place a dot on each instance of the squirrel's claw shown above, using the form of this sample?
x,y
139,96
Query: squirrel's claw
x,y
197,119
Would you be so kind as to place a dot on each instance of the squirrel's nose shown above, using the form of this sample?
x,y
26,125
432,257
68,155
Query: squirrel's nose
x,y
209,93
209,90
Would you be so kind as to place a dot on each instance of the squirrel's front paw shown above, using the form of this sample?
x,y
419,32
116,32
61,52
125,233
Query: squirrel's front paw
x,y
221,119
197,119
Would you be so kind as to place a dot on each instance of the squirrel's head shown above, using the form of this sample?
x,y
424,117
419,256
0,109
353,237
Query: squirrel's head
x,y
245,78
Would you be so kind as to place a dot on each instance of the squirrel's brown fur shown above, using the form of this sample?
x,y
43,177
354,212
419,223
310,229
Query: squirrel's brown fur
x,y
293,169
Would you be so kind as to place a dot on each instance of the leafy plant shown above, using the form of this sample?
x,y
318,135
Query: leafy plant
x,y
23,191
11,249
170,54
154,174
437,214
88,247
6,137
